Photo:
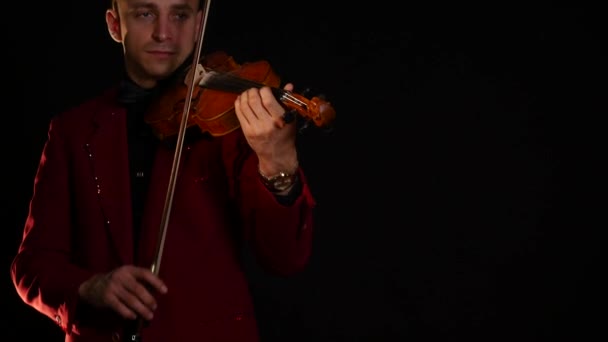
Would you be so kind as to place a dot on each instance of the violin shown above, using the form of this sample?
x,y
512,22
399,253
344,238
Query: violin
x,y
212,100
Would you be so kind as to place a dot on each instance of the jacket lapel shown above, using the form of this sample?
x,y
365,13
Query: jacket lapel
x,y
108,150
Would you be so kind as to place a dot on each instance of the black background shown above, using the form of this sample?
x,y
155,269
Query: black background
x,y
458,194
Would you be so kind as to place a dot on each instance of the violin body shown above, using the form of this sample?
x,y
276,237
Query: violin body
x,y
211,110
212,103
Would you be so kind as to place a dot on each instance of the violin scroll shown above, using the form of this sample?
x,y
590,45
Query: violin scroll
x,y
319,111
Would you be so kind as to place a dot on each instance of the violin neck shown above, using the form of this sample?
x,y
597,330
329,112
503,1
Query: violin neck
x,y
233,84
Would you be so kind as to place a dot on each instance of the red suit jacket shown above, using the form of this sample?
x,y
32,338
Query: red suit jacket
x,y
80,223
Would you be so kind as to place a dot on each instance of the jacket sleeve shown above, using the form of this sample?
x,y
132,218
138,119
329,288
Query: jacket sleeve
x,y
41,271
280,235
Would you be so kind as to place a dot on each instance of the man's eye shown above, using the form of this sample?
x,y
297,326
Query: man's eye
x,y
182,16
144,14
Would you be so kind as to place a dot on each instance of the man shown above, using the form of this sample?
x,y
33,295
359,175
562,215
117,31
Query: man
x,y
92,230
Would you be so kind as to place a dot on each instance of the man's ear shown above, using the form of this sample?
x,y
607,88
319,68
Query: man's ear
x,y
113,23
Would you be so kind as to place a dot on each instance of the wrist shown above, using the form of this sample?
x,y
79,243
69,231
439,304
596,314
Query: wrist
x,y
280,182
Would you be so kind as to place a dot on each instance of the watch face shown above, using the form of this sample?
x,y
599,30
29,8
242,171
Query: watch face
x,y
281,182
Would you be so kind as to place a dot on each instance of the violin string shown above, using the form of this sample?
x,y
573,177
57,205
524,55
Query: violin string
x,y
235,84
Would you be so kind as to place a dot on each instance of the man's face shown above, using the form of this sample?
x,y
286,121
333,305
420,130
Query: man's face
x,y
157,36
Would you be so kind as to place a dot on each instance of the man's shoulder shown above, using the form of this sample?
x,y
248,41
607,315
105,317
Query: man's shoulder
x,y
103,102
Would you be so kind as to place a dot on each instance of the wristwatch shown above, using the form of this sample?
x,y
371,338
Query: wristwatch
x,y
279,182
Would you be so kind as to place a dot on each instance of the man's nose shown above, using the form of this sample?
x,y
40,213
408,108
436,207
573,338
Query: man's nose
x,y
162,30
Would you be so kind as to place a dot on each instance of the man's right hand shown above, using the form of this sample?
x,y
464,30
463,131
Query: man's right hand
x,y
126,290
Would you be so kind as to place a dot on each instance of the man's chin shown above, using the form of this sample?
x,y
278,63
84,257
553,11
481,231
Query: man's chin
x,y
161,74
161,71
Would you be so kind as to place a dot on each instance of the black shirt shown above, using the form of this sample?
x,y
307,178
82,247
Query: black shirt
x,y
142,146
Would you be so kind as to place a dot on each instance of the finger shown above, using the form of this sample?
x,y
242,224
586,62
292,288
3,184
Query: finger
x,y
140,298
145,276
133,303
120,307
136,291
288,87
136,298
239,108
254,103
273,107
250,108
